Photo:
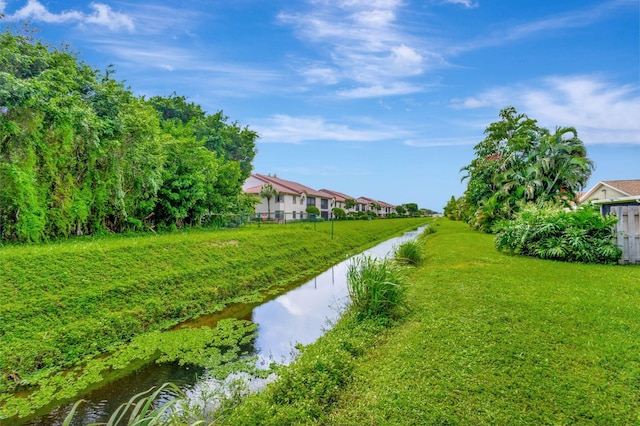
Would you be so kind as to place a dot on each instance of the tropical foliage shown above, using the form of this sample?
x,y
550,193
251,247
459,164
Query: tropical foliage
x,y
550,232
80,154
268,191
518,161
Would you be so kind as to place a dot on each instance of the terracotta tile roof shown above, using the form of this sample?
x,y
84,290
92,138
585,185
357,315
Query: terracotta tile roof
x,y
385,204
629,187
364,200
290,187
367,200
339,196
253,190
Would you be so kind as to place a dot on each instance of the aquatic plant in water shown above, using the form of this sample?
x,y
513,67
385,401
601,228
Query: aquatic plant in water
x,y
222,350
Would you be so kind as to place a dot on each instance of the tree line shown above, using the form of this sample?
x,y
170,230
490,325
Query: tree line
x,y
81,154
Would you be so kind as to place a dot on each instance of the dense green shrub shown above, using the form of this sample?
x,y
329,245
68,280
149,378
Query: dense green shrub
x,y
377,288
313,210
339,213
551,232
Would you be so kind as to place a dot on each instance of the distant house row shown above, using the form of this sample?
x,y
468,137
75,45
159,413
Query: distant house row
x,y
293,199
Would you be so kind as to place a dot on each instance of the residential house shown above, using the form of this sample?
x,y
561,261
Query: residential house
x,y
380,208
387,208
292,200
340,199
620,198
612,190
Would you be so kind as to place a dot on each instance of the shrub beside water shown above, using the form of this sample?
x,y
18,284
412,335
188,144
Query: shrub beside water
x,y
409,253
377,288
551,232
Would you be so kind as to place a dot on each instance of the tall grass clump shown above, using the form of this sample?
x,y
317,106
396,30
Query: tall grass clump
x,y
377,288
409,253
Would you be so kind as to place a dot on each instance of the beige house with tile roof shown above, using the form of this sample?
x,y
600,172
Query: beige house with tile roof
x,y
620,198
380,208
612,190
340,199
294,198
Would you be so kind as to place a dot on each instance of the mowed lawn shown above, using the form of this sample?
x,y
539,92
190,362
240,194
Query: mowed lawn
x,y
499,339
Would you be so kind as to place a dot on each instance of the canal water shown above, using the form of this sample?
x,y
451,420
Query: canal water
x,y
299,316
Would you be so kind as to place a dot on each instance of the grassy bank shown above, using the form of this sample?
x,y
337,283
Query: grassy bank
x,y
491,339
64,302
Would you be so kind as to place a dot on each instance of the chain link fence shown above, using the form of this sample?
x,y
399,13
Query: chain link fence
x,y
227,220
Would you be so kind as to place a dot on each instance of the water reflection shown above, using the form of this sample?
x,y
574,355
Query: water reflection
x,y
301,315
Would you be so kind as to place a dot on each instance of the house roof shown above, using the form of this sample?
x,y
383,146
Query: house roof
x,y
339,196
289,187
364,200
367,200
629,187
385,204
284,186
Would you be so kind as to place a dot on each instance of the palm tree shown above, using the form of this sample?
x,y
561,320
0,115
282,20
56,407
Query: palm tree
x,y
268,191
559,165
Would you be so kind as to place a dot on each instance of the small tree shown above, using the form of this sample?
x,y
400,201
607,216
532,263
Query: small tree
x,y
349,203
313,210
268,191
338,213
412,209
401,210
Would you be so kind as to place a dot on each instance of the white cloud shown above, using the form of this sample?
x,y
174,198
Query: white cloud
x,y
34,10
287,129
364,46
469,4
544,27
320,75
601,111
102,15
392,89
435,142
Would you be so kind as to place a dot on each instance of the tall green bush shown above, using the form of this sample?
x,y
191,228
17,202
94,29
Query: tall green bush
x,y
551,232
81,154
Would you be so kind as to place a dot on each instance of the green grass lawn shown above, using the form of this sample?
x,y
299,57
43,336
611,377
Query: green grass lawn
x,y
490,339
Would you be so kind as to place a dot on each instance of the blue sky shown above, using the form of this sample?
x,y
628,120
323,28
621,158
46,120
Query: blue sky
x,y
376,98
